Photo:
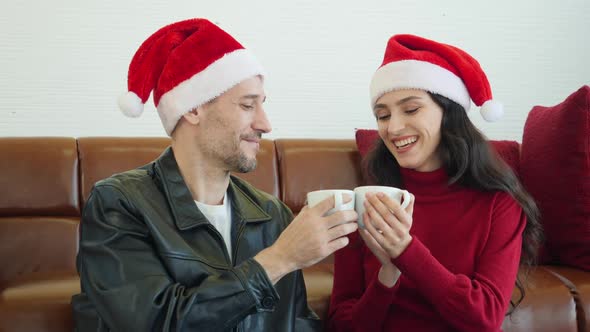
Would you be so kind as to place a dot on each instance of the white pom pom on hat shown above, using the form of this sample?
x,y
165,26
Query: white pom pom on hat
x,y
492,110
130,104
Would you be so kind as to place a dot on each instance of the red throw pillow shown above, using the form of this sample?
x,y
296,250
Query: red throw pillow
x,y
555,168
509,151
365,138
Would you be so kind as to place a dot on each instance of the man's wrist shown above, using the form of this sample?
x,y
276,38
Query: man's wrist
x,y
273,264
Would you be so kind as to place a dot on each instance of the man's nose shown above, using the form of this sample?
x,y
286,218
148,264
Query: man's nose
x,y
261,122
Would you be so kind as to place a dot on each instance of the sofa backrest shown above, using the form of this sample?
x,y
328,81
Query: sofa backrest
x,y
54,176
39,210
266,175
101,157
45,182
312,164
39,176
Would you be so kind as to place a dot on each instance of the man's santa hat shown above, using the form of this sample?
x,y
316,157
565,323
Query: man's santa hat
x,y
186,64
413,62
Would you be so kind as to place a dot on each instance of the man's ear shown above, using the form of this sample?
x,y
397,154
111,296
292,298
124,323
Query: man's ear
x,y
194,116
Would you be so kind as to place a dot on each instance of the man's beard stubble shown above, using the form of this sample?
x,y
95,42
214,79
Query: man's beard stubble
x,y
239,162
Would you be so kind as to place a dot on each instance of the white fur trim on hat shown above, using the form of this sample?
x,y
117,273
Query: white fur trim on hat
x,y
413,74
206,85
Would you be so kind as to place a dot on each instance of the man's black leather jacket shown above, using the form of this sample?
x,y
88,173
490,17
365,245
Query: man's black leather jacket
x,y
150,261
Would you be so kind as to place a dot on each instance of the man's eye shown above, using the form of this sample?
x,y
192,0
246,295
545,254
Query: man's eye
x,y
383,117
247,107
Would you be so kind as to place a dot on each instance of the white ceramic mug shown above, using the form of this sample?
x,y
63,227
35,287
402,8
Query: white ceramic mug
x,y
317,196
402,196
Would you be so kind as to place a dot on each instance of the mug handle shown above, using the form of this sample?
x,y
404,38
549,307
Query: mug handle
x,y
338,201
406,197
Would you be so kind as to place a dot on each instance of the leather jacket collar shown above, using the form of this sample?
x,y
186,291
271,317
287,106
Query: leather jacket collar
x,y
186,214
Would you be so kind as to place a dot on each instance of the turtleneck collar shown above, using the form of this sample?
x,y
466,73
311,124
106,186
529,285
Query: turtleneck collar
x,y
426,183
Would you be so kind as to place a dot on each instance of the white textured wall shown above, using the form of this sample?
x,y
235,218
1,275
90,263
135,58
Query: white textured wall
x,y
64,62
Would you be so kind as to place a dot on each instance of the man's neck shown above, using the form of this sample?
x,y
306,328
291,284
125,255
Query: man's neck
x,y
206,182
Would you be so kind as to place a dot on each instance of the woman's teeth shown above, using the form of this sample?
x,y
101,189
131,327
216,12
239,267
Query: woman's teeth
x,y
404,142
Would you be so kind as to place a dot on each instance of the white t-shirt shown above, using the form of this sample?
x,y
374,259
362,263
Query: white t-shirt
x,y
220,217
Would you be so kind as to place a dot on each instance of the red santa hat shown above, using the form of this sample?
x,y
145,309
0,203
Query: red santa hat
x,y
412,62
185,64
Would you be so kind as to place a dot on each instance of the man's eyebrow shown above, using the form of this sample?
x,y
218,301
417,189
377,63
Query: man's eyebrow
x,y
254,97
378,107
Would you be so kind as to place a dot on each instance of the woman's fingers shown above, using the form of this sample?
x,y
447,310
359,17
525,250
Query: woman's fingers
x,y
374,246
370,227
384,219
390,209
369,239
377,220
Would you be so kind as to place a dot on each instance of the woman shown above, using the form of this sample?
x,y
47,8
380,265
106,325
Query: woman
x,y
449,261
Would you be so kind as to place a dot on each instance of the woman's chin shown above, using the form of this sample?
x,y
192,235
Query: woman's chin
x,y
407,163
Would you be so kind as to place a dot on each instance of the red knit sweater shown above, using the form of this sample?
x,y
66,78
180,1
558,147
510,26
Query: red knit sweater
x,y
457,274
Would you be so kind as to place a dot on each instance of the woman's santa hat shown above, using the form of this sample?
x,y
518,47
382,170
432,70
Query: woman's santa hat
x,y
186,64
413,62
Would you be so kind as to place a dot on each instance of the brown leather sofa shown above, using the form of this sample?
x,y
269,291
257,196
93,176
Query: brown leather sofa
x,y
44,183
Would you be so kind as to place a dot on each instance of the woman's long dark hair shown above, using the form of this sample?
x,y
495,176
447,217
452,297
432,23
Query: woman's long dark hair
x,y
470,162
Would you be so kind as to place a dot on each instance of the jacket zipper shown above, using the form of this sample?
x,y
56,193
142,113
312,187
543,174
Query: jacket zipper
x,y
239,236
238,328
222,242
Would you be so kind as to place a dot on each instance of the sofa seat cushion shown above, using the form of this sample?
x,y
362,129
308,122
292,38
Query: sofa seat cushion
x,y
31,245
36,316
547,306
319,280
39,302
555,165
41,287
579,283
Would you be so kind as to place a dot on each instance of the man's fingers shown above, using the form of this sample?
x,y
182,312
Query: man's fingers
x,y
346,198
305,208
341,230
341,217
324,206
338,244
329,203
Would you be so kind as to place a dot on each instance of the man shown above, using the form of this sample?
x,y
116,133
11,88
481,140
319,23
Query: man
x,y
179,244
